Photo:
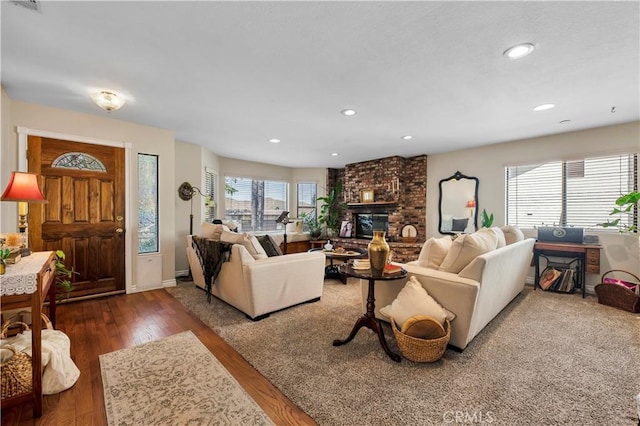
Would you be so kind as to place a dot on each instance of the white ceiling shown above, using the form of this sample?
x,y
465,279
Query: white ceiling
x,y
231,75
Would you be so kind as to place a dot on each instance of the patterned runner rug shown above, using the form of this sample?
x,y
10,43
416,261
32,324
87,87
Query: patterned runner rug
x,y
175,380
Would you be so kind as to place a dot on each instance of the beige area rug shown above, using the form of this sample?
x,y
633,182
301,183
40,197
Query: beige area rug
x,y
174,381
547,359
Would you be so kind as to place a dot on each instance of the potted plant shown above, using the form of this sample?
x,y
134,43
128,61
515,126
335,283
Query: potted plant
x,y
63,277
331,210
309,219
624,206
486,219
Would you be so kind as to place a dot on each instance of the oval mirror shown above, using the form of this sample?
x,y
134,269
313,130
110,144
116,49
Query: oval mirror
x,y
458,204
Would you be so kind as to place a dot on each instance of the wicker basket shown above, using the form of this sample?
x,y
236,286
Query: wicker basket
x,y
618,296
422,350
16,373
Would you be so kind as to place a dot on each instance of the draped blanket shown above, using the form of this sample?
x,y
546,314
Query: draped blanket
x,y
211,255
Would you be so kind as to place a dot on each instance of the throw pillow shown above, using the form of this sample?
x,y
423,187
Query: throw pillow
x,y
245,240
459,225
512,234
211,231
434,251
467,247
269,245
500,235
412,300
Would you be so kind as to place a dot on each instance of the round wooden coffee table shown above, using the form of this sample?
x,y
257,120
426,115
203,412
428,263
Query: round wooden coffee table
x,y
369,319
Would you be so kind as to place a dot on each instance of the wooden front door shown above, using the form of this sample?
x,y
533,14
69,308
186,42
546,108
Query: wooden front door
x,y
85,186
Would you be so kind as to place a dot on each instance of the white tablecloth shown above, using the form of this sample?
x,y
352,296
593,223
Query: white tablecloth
x,y
22,278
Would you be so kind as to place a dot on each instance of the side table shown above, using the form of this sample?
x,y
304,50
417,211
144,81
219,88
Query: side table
x,y
25,285
368,319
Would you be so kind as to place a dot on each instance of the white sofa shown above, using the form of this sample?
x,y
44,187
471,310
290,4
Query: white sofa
x,y
476,294
259,287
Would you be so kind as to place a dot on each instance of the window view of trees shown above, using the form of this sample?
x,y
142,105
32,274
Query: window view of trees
x,y
307,196
254,204
147,203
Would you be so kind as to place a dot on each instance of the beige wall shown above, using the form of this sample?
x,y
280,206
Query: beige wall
x,y
487,164
142,139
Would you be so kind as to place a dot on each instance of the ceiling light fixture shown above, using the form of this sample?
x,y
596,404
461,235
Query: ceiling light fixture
x,y
519,51
408,137
108,101
274,140
348,112
334,154
544,107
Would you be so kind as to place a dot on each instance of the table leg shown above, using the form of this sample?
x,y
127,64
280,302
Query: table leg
x,y
333,271
370,321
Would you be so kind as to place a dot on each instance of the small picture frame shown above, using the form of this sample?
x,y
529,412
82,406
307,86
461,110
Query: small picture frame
x,y
345,229
366,196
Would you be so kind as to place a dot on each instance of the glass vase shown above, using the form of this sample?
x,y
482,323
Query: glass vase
x,y
378,253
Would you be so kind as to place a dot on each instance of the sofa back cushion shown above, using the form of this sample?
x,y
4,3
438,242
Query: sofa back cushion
x,y
247,240
434,251
467,247
269,245
212,231
512,234
500,235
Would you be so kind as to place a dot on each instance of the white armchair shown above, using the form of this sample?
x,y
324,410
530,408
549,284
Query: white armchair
x,y
259,287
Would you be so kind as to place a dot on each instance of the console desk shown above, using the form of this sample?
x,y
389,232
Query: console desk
x,y
26,284
588,256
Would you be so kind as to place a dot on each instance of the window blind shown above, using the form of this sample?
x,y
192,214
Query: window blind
x,y
255,203
307,195
570,193
210,178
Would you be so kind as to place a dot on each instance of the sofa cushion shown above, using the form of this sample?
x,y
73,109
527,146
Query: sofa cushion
x,y
500,235
212,231
248,241
413,300
269,245
434,251
512,234
467,247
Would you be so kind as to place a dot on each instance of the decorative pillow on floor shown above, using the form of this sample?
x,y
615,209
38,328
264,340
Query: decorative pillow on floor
x,y
269,245
434,251
413,300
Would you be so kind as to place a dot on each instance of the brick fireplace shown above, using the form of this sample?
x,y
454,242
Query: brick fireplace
x,y
399,189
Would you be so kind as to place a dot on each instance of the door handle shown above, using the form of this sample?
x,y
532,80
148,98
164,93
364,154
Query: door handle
x,y
119,231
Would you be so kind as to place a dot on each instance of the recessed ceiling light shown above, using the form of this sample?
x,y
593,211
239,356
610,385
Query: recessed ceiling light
x,y
519,51
565,121
544,107
334,154
348,112
407,137
274,140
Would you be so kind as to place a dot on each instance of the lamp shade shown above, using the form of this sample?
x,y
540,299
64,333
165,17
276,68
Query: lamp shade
x,y
23,187
471,204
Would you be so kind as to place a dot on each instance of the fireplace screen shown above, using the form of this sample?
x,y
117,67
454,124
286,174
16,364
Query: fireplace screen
x,y
366,223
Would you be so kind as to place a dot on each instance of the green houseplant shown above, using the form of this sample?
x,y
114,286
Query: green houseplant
x,y
309,219
63,277
624,206
486,219
331,209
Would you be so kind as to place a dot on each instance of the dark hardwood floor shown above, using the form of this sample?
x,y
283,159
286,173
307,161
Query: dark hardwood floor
x,y
104,325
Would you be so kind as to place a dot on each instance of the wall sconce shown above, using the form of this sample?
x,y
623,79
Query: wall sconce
x,y
108,101
23,188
